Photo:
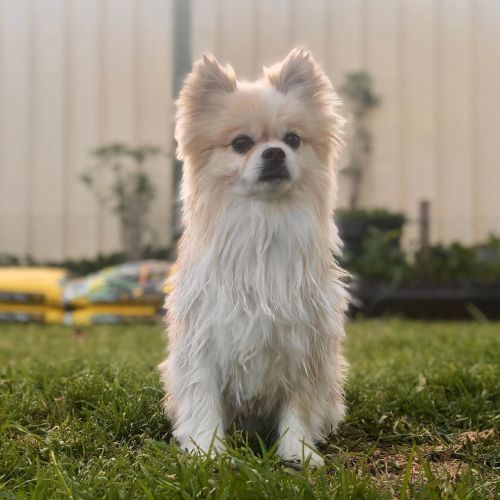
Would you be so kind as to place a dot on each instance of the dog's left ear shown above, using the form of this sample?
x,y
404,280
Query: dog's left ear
x,y
300,74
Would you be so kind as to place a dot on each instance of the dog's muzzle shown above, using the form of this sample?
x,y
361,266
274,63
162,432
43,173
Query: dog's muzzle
x,y
274,169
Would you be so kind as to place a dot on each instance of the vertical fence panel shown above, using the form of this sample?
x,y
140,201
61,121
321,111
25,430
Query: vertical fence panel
x,y
487,119
455,167
48,174
15,119
204,36
345,53
418,109
346,40
155,107
119,81
272,41
84,128
383,47
236,35
309,27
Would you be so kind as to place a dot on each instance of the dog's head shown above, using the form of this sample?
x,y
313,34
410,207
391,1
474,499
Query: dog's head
x,y
265,139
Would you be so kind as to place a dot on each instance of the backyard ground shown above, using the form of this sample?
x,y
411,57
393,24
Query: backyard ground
x,y
81,417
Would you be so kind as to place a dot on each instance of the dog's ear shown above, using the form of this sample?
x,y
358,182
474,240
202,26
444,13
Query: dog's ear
x,y
203,92
300,74
207,78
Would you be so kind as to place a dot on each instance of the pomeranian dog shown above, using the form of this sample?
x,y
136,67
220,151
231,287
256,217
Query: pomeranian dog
x,y
255,318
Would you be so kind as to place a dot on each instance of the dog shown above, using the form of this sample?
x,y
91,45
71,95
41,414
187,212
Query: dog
x,y
255,319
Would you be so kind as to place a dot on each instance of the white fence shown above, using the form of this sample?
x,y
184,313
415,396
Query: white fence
x,y
75,74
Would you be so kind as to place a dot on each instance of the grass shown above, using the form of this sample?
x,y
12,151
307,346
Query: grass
x,y
81,418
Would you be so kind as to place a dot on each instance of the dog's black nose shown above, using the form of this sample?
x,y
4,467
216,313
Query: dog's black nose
x,y
274,168
274,155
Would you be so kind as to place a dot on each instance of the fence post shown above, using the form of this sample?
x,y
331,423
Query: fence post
x,y
181,54
424,228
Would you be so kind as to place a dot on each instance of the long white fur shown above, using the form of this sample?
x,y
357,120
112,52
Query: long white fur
x,y
255,320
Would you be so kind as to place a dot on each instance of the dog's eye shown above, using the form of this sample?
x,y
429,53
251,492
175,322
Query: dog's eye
x,y
293,140
242,143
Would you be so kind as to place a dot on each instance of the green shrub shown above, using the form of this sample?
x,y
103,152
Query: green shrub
x,y
371,214
443,265
380,259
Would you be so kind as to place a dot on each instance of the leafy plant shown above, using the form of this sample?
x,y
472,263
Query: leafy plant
x,y
372,214
128,194
360,100
380,259
455,264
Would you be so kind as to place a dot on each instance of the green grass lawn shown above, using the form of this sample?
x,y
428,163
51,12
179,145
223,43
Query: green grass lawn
x,y
82,418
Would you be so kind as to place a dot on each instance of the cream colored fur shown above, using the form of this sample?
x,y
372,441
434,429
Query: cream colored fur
x,y
255,319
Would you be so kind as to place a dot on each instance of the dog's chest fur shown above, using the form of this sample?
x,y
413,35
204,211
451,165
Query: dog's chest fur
x,y
259,303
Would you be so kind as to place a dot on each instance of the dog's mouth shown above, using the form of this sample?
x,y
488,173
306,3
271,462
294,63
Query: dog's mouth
x,y
274,176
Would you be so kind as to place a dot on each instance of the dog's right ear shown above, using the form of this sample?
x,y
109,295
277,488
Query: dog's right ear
x,y
207,78
203,92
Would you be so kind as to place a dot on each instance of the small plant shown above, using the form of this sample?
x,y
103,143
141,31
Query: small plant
x,y
380,259
376,214
355,225
128,194
360,100
456,264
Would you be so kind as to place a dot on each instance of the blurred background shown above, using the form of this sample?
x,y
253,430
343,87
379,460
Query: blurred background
x,y
87,155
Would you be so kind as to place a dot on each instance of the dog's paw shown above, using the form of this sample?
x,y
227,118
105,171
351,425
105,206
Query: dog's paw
x,y
315,460
204,449
293,450
311,458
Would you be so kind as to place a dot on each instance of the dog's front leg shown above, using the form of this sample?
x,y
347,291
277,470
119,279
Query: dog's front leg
x,y
198,424
295,437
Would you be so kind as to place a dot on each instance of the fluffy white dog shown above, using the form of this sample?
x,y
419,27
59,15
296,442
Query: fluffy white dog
x,y
255,319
